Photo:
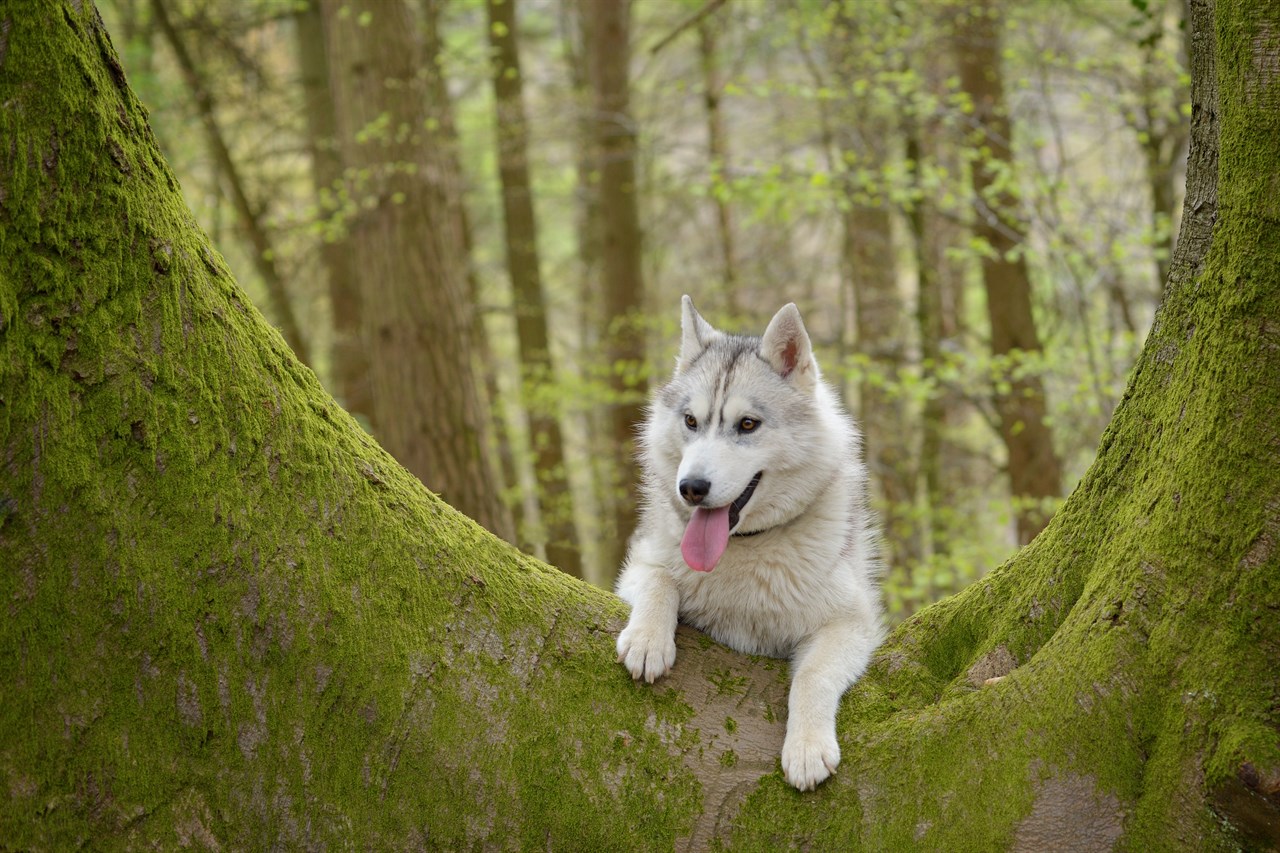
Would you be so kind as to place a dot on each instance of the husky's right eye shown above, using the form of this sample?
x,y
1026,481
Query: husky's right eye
x,y
690,421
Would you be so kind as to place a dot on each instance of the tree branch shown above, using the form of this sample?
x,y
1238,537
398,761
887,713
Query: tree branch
x,y
687,24
250,219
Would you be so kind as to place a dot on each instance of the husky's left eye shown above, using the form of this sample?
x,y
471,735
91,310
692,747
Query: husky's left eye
x,y
747,424
690,421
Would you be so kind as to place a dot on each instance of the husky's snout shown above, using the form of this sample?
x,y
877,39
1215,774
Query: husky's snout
x,y
694,490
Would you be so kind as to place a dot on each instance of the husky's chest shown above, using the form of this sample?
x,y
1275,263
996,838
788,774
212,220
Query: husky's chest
x,y
764,597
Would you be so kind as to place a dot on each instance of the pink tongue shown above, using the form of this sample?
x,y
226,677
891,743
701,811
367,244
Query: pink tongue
x,y
705,538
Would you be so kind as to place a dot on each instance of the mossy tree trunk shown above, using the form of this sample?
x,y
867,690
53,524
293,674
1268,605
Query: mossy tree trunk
x,y
231,620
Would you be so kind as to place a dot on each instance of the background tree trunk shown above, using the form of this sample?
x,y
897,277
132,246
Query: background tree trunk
x,y
349,363
718,159
1035,472
939,285
231,620
555,501
601,554
870,265
929,324
407,241
608,24
484,361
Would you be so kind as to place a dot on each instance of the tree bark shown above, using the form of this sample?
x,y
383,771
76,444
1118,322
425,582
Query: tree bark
x,y
608,25
1035,472
1162,137
483,360
232,621
601,552
882,410
348,361
554,499
939,289
407,241
718,161
871,270
929,324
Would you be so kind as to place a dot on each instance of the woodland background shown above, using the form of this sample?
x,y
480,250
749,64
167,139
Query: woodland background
x,y
973,204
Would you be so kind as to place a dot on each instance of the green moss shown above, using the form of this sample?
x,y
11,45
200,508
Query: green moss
x,y
727,683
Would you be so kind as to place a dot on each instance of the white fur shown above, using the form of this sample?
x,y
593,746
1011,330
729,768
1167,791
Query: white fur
x,y
805,586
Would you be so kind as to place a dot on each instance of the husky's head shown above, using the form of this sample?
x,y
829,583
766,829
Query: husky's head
x,y
744,436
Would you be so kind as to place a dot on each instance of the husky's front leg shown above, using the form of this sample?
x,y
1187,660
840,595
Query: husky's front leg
x,y
821,671
647,646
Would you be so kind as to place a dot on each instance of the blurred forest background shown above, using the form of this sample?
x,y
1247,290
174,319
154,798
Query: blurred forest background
x,y
474,220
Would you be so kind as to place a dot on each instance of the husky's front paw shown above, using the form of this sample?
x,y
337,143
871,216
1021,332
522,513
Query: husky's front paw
x,y
809,757
646,653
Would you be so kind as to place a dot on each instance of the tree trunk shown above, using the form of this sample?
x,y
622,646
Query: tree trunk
x,y
349,363
1035,473
406,238
608,23
882,410
871,270
555,502
601,553
1162,137
929,324
232,621
939,290
718,161
483,360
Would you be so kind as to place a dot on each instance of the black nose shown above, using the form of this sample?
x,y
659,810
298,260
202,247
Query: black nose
x,y
693,491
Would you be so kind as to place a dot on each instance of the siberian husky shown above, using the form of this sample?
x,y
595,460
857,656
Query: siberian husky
x,y
755,527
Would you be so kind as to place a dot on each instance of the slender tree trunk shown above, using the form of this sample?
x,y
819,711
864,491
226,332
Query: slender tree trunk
x,y
232,621
1163,137
349,363
555,501
718,156
1035,473
872,273
407,240
929,320
608,23
592,422
939,285
250,217
483,360
869,253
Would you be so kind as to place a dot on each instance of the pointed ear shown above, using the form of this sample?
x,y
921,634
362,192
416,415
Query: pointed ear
x,y
695,334
786,347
